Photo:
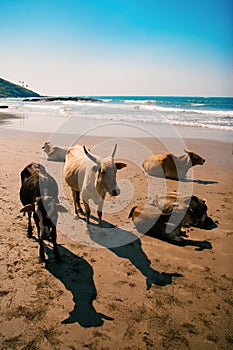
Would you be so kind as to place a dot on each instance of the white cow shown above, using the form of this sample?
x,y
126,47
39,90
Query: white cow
x,y
56,154
92,177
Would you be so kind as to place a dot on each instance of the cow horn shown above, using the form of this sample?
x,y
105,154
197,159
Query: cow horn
x,y
186,151
114,151
90,156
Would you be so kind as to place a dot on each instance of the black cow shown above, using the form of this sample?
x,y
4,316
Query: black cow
x,y
39,195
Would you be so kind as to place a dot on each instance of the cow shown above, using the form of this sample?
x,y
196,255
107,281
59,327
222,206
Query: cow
x,y
56,154
92,177
39,195
168,213
171,166
150,220
196,213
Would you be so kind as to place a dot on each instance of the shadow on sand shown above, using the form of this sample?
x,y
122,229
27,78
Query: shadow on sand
x,y
200,245
201,182
77,276
134,253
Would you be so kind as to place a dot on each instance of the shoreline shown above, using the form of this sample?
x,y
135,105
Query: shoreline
x,y
105,128
154,144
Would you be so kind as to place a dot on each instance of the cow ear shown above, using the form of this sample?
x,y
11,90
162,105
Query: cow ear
x,y
27,208
61,208
120,165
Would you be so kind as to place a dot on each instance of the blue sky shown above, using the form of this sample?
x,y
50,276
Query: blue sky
x,y
120,47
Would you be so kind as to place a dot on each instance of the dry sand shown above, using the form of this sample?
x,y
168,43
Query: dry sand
x,y
112,298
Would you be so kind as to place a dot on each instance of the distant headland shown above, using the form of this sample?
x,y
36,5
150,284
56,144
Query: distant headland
x,y
8,89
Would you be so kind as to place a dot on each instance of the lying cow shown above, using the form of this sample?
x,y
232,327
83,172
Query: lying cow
x,y
92,177
39,195
150,220
195,208
56,154
168,214
171,166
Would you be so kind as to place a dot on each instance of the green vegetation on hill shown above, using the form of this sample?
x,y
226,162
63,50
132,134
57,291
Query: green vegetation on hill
x,y
8,89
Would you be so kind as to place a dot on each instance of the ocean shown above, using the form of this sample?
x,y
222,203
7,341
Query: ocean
x,y
196,115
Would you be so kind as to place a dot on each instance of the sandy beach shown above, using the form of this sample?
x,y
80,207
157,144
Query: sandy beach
x,y
147,294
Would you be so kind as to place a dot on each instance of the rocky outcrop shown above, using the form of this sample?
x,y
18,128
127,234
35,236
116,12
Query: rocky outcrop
x,y
51,99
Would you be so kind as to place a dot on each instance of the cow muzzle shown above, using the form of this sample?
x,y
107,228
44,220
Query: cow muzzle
x,y
115,192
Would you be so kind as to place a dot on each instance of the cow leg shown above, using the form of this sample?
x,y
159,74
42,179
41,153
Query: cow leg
x,y
87,211
55,248
41,250
29,224
41,243
77,205
99,212
100,218
80,211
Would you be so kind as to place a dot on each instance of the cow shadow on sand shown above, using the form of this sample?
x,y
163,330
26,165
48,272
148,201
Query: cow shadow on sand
x,y
133,250
200,182
77,276
186,179
128,246
199,245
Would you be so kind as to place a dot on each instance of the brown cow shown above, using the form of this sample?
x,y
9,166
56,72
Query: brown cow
x,y
171,166
168,214
150,220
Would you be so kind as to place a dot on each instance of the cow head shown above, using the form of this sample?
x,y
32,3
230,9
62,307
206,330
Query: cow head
x,y
197,212
47,147
195,158
107,169
32,169
193,209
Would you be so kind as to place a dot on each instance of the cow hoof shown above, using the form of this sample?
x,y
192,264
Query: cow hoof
x,y
81,212
42,259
